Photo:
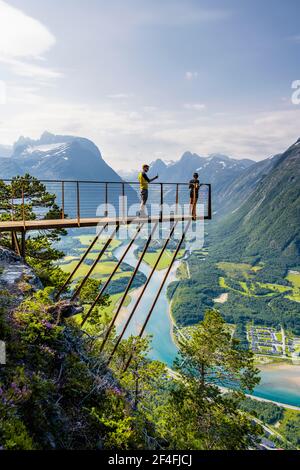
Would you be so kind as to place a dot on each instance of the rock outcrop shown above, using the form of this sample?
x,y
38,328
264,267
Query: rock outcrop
x,y
15,273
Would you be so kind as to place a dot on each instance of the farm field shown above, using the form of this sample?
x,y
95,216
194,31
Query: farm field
x,y
150,258
240,278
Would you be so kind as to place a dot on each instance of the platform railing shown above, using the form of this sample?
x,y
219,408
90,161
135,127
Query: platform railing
x,y
79,200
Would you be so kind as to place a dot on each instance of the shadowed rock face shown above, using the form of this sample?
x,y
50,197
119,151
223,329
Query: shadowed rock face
x,y
15,278
13,270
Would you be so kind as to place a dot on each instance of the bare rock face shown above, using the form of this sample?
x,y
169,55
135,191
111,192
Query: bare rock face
x,y
17,280
14,273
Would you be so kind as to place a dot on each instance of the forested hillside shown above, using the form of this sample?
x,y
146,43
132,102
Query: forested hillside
x,y
266,226
249,251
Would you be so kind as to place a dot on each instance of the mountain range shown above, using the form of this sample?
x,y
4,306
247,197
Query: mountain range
x,y
5,151
64,157
255,204
219,170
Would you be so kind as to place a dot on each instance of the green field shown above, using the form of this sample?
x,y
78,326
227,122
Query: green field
x,y
102,269
86,240
294,279
244,275
235,268
114,300
150,258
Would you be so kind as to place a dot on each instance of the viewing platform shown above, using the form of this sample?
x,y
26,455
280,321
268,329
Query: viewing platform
x,y
97,203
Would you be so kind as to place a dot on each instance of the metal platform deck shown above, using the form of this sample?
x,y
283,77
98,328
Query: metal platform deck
x,y
21,226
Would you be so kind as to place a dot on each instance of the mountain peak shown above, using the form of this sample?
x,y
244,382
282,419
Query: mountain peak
x,y
46,137
218,156
188,156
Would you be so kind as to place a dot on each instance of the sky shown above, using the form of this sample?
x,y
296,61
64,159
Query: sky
x,y
148,79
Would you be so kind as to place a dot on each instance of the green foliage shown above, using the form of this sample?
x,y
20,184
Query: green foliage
x,y
200,416
192,297
267,412
291,430
119,285
25,197
51,382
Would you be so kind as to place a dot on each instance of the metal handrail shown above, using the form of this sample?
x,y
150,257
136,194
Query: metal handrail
x,y
76,196
102,182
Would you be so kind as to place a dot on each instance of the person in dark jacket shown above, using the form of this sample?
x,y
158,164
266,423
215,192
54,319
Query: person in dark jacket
x,y
194,186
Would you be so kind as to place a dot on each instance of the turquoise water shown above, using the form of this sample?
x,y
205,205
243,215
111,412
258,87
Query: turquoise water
x,y
159,326
278,383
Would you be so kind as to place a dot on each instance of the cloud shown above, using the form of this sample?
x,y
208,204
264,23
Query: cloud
x,y
256,136
26,69
21,35
3,94
194,106
191,75
128,136
23,40
120,96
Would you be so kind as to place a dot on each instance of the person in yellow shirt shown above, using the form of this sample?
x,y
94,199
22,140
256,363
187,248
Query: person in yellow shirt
x,y
144,181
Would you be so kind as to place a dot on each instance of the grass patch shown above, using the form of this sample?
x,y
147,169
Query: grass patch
x,y
150,258
235,268
294,279
114,300
274,287
86,240
102,269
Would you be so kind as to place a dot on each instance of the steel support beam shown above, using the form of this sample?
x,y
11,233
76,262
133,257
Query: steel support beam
x,y
79,263
100,294
102,251
142,292
112,323
159,291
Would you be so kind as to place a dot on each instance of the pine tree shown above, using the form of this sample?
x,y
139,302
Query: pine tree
x,y
200,414
26,198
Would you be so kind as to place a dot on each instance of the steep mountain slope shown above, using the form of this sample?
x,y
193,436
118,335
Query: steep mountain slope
x,y
5,151
236,193
267,223
9,168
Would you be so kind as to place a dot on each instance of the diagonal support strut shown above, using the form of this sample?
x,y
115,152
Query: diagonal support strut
x,y
142,292
159,292
86,277
79,264
100,294
128,287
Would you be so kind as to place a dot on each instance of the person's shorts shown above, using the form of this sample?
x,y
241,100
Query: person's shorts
x,y
144,195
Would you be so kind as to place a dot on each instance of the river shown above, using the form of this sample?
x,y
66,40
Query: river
x,y
279,383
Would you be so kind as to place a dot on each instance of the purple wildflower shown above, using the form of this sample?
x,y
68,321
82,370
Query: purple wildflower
x,y
48,325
